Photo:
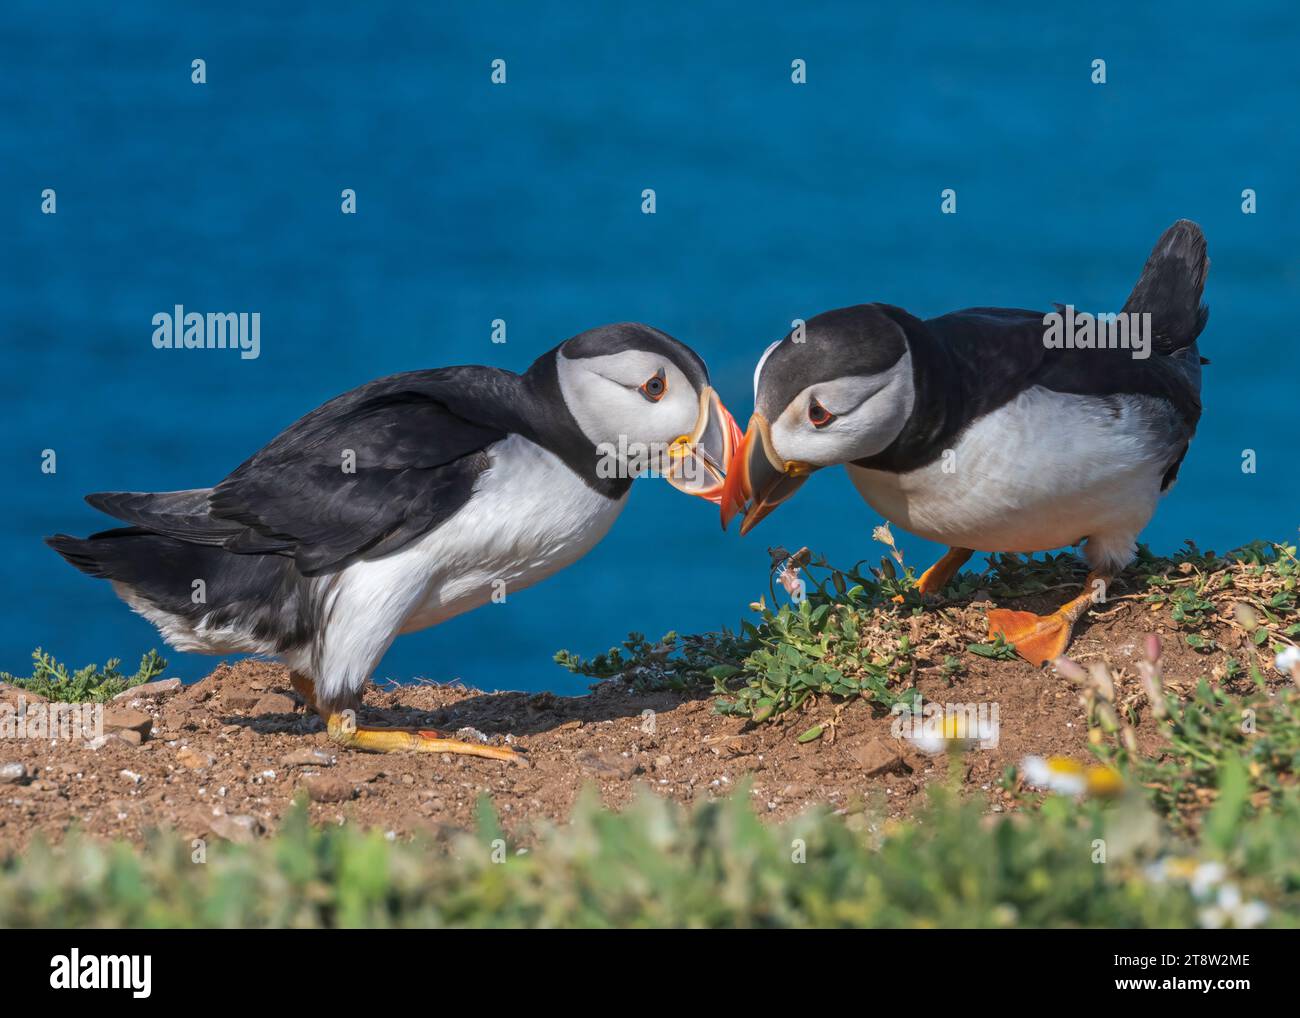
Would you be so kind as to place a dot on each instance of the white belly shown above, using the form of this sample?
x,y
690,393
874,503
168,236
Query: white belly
x,y
529,517
1042,472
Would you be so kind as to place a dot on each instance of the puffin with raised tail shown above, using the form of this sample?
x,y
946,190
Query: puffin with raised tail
x,y
408,501
985,431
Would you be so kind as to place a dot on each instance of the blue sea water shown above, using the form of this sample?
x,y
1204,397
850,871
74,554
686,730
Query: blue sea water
x,y
523,202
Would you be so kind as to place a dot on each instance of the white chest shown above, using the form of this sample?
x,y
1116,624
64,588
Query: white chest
x,y
1041,472
529,517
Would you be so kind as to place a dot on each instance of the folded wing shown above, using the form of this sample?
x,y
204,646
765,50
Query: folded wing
x,y
361,476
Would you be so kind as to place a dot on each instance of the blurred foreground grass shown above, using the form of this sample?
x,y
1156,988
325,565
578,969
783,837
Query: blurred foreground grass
x,y
1119,862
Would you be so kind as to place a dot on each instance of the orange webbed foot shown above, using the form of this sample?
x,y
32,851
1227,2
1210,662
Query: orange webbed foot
x,y
1037,638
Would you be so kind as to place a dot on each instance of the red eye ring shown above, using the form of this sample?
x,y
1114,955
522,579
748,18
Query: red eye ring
x,y
654,388
818,415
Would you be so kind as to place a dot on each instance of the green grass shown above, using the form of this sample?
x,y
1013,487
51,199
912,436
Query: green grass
x,y
1253,738
799,651
851,635
52,680
658,864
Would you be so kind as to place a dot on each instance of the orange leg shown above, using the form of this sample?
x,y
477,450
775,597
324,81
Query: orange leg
x,y
937,576
343,729
1041,638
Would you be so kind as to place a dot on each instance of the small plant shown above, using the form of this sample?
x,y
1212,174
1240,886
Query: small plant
x,y
805,649
998,649
675,662
1260,578
1213,736
802,653
52,680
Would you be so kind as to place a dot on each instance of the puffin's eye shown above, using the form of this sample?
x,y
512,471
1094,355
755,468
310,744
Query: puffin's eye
x,y
819,415
655,387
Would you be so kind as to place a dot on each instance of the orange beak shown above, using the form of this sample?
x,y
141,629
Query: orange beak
x,y
759,480
698,462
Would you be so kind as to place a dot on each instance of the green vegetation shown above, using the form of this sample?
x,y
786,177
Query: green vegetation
x,y
852,634
1248,744
998,649
1260,579
1203,831
658,864
52,680
845,637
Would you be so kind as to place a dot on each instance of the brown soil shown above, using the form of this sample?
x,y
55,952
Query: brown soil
x,y
229,754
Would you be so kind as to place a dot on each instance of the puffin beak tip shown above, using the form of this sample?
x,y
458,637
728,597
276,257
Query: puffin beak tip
x,y
758,482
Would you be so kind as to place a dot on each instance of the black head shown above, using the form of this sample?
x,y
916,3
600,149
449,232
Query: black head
x,y
627,336
837,390
643,400
862,340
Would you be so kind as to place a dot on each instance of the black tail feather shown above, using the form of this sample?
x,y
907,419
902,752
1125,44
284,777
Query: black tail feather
x,y
1171,286
258,594
89,553
179,514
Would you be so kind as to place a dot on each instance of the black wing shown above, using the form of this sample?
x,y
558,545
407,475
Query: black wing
x,y
1002,352
1004,348
361,476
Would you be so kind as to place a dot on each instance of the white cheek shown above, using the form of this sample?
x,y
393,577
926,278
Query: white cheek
x,y
594,402
865,431
685,411
608,412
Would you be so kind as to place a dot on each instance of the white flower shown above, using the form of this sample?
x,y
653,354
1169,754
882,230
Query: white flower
x,y
1288,660
1058,774
929,742
1230,910
1206,877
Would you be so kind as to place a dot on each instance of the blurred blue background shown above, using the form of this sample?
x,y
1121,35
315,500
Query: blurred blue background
x,y
523,202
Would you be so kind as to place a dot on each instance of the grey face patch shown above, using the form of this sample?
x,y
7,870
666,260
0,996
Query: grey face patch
x,y
860,340
610,339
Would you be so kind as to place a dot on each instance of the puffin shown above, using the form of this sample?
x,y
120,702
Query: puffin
x,y
992,429
407,501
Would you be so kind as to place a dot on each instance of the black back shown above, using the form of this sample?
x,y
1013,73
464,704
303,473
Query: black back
x,y
418,441
968,363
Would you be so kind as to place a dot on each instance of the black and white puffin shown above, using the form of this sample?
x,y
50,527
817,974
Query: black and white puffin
x,y
407,501
975,430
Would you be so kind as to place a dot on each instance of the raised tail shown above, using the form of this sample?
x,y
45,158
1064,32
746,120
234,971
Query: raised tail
x,y
1171,286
